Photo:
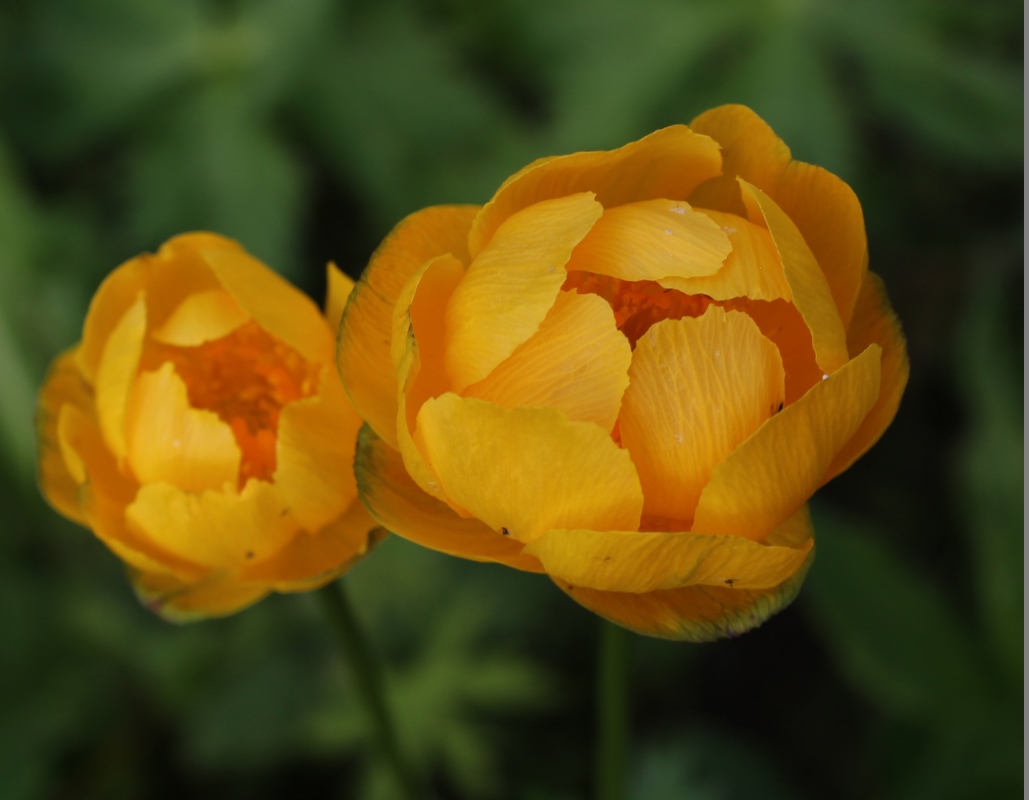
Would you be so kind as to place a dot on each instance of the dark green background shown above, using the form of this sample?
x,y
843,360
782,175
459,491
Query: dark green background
x,y
305,129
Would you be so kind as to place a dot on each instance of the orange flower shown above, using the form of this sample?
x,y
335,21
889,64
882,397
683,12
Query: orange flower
x,y
201,431
629,370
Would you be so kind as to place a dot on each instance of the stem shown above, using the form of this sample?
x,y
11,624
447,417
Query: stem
x,y
367,675
612,712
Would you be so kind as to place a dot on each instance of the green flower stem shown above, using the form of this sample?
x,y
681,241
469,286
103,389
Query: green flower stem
x,y
368,678
612,712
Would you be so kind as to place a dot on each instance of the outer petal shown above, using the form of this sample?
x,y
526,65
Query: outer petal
x,y
875,322
752,269
189,601
693,613
822,206
338,286
279,307
650,240
315,453
400,506
630,561
313,559
668,163
116,295
527,470
578,362
64,385
366,329
217,529
698,387
116,373
779,467
512,284
171,442
808,286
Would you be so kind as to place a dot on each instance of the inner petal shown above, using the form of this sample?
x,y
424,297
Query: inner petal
x,y
697,389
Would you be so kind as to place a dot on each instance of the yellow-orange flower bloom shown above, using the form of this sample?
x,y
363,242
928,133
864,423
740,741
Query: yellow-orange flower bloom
x,y
201,431
628,370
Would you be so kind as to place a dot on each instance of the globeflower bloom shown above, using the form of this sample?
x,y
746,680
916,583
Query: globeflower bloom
x,y
201,431
629,370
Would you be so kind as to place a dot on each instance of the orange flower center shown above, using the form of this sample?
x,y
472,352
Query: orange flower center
x,y
246,378
637,304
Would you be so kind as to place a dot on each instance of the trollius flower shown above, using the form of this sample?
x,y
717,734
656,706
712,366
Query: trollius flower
x,y
629,370
200,430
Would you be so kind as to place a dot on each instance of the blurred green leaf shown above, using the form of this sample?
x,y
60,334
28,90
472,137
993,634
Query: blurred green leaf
x,y
214,164
891,632
706,765
992,466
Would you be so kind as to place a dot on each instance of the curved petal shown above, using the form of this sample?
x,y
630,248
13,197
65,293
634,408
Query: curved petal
x,y
64,385
418,352
314,454
314,559
823,207
779,467
338,286
752,269
512,284
808,286
668,163
202,316
366,329
875,322
650,240
222,530
638,562
278,307
692,613
527,470
116,295
168,441
698,387
190,601
396,503
577,362
116,373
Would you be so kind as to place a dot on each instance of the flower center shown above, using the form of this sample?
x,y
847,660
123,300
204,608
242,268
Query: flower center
x,y
246,378
637,304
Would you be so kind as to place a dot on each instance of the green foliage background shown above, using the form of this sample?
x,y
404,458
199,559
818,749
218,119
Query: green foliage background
x,y
305,129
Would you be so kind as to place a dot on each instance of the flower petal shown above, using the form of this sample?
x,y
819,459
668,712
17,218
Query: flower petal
x,y
313,559
527,470
168,441
116,295
752,269
668,163
512,284
278,307
875,322
400,506
808,286
366,329
201,317
698,387
64,385
631,561
577,362
779,467
116,373
692,613
650,240
221,530
314,454
175,600
338,286
823,207
418,352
